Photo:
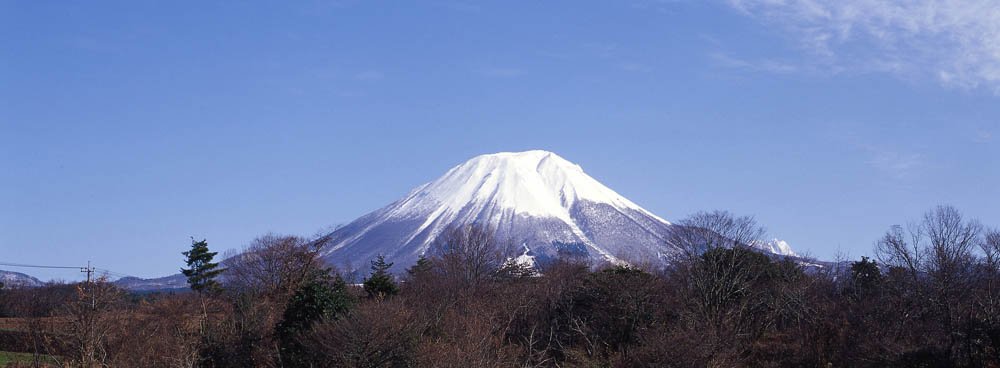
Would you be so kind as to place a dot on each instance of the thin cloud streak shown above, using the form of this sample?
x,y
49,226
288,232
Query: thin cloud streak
x,y
956,43
766,65
898,165
983,136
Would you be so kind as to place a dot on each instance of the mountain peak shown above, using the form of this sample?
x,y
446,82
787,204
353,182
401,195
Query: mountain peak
x,y
11,279
531,183
534,159
776,246
522,155
536,198
548,206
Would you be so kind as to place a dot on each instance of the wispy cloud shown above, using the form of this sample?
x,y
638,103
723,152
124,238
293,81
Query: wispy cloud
x,y
888,157
983,136
954,42
899,165
764,65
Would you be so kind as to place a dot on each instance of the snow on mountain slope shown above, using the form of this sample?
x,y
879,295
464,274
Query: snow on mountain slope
x,y
13,279
173,282
777,246
547,206
533,183
781,247
535,198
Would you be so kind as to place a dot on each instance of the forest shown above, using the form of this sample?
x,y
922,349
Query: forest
x,y
929,296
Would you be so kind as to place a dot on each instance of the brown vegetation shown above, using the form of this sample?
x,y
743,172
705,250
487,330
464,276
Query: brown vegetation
x,y
930,299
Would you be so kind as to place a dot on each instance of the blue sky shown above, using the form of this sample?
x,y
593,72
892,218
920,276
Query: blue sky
x,y
128,127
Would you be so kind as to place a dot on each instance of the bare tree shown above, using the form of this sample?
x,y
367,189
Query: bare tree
x,y
732,294
937,253
90,320
258,284
901,248
272,265
952,240
940,245
987,297
991,249
159,332
381,334
470,254
718,229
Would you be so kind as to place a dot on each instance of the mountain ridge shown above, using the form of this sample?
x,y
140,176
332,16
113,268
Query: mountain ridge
x,y
548,205
15,279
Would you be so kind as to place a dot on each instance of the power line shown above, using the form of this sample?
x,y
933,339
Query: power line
x,y
36,266
89,270
103,271
111,273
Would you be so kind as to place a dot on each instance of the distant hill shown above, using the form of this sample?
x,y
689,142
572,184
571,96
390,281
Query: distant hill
x,y
11,278
548,205
176,282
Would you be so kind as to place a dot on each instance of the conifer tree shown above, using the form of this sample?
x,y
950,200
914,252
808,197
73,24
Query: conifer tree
x,y
320,298
866,275
201,271
381,283
422,266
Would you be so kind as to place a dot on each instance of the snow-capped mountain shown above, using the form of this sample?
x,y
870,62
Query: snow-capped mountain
x,y
12,279
543,204
776,246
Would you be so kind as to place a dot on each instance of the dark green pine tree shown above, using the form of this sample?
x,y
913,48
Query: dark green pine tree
x,y
423,266
381,283
201,271
321,298
866,275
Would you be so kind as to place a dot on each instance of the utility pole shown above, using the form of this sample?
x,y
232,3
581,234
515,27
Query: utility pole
x,y
89,270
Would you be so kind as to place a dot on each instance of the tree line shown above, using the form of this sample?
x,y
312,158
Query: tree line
x,y
929,297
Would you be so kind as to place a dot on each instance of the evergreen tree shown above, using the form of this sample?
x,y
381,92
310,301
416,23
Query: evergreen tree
x,y
423,266
201,271
866,275
381,283
321,298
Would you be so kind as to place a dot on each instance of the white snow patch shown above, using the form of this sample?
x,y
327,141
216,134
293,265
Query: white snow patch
x,y
524,259
531,183
493,190
776,246
534,183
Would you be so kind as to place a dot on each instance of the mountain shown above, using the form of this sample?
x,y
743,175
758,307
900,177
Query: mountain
x,y
175,282
11,278
546,204
776,246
